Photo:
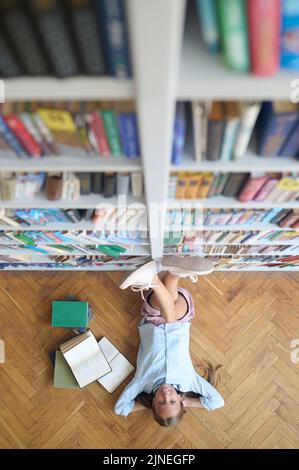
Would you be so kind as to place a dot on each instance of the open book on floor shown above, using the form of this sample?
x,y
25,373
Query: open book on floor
x,y
85,358
121,368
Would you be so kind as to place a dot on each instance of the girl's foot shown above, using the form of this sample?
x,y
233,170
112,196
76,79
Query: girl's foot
x,y
187,266
141,279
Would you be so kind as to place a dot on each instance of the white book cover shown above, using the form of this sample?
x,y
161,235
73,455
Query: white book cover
x,y
249,116
85,358
121,367
136,184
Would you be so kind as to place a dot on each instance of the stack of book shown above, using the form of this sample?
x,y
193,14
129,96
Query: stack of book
x,y
224,130
64,38
82,360
75,129
255,186
256,36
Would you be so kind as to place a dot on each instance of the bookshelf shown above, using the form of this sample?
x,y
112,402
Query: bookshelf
x,y
170,65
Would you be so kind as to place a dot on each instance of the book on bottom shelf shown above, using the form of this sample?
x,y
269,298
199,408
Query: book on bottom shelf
x,y
121,368
85,358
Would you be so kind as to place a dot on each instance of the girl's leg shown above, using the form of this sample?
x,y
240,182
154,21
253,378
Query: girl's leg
x,y
166,298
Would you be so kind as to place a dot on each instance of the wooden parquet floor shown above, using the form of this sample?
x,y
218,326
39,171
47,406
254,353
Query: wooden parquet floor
x,y
245,321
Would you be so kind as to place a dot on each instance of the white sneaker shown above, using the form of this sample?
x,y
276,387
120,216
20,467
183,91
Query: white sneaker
x,y
141,279
187,266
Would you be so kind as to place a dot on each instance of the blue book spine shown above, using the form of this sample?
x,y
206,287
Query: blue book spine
x,y
207,16
113,25
290,35
179,133
11,139
129,134
273,130
271,214
291,146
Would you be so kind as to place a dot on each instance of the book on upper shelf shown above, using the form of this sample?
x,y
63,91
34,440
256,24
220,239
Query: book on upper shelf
x,y
121,368
85,358
69,314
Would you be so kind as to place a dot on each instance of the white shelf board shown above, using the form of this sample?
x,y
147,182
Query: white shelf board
x,y
222,202
71,164
247,164
204,76
84,202
79,88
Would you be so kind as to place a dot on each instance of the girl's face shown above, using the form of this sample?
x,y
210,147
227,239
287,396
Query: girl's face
x,y
167,402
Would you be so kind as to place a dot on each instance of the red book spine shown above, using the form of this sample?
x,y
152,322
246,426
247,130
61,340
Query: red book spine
x,y
295,224
264,23
251,188
18,128
288,221
98,129
266,189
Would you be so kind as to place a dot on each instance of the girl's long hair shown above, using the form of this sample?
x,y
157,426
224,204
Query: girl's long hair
x,y
210,373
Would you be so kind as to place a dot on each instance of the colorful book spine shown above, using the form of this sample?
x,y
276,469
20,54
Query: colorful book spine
x,y
233,33
248,120
27,140
252,186
207,15
111,128
273,127
128,128
289,35
112,20
11,139
179,134
264,19
97,126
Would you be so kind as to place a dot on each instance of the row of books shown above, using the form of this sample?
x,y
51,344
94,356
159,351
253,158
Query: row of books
x,y
194,217
257,186
195,240
71,262
70,237
64,38
115,251
250,217
247,249
229,237
42,217
227,264
252,35
224,130
69,186
75,129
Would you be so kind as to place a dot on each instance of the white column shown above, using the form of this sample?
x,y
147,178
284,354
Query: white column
x,y
156,33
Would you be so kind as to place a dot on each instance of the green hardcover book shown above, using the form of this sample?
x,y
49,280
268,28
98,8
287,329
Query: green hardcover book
x,y
233,33
110,124
63,375
69,314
